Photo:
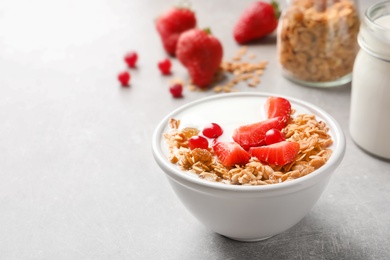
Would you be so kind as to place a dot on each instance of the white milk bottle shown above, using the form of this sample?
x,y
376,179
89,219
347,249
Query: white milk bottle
x,y
370,100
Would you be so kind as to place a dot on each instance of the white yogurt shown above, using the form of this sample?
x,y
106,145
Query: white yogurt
x,y
384,21
229,114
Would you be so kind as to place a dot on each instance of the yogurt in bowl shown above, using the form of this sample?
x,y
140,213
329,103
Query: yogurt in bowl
x,y
244,212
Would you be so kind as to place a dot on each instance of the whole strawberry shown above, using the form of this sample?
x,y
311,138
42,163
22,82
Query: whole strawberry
x,y
171,24
257,21
201,53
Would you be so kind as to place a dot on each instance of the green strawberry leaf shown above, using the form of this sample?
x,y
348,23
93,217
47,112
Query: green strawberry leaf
x,y
275,5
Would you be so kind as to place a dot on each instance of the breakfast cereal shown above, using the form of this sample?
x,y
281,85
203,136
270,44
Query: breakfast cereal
x,y
317,40
311,135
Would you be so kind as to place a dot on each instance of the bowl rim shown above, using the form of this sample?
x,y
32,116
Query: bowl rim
x,y
177,174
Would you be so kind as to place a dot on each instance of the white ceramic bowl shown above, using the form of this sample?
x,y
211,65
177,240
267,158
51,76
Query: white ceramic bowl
x,y
246,213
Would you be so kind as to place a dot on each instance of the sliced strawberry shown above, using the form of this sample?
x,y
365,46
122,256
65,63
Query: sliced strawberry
x,y
254,134
230,153
280,153
278,106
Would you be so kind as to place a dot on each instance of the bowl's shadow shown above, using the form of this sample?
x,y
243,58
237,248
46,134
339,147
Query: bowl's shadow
x,y
306,240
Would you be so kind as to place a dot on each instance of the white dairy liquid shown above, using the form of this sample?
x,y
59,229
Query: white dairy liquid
x,y
384,21
370,100
225,113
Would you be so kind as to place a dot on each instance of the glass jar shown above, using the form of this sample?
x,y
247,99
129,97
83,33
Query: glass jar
x,y
370,100
317,41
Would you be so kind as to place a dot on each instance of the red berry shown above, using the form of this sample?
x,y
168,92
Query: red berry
x,y
274,136
257,21
198,142
165,66
212,130
172,23
124,78
201,53
176,90
131,59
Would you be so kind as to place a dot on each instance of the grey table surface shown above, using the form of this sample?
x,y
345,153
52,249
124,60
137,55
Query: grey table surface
x,y
77,176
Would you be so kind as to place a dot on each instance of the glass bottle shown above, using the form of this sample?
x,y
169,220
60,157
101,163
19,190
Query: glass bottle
x,y
370,100
317,41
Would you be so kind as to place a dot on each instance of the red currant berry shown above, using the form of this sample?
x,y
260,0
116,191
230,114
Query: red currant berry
x,y
165,66
176,90
274,136
131,59
198,142
124,78
212,130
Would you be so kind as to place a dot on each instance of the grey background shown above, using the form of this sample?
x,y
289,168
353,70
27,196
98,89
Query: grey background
x,y
77,176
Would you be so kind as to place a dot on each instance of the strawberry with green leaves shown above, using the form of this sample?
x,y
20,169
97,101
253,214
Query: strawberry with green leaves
x,y
257,21
171,24
201,53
